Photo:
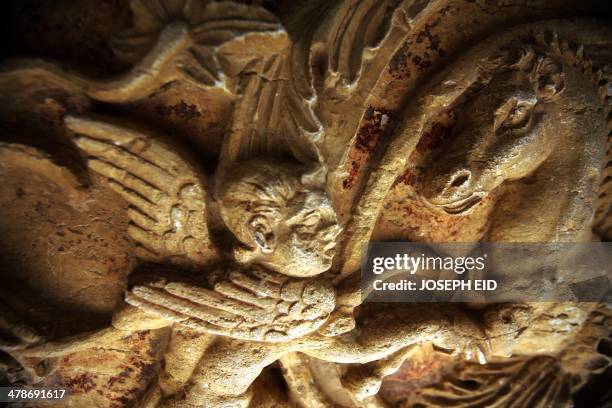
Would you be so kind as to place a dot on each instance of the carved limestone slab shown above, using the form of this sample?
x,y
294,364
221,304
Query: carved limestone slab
x,y
187,186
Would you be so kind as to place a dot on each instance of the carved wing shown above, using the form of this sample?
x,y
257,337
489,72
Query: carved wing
x,y
250,305
272,118
166,194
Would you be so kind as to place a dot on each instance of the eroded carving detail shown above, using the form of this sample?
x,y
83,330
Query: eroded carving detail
x,y
332,135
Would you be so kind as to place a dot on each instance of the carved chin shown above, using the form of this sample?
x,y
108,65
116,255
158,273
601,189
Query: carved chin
x,y
325,261
329,251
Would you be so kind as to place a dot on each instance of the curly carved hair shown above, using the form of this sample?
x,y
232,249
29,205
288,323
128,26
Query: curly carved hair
x,y
546,75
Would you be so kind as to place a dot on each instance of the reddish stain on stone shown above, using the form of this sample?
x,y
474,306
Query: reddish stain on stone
x,y
367,138
398,65
181,109
408,178
78,384
433,138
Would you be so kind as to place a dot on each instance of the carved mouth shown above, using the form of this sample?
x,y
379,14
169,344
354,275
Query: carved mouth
x,y
330,250
462,205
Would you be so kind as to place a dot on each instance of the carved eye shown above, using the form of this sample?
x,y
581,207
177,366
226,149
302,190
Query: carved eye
x,y
311,220
514,114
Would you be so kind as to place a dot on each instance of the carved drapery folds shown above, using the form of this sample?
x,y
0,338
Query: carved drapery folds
x,y
187,232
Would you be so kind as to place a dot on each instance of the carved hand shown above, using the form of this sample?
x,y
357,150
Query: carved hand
x,y
165,192
250,304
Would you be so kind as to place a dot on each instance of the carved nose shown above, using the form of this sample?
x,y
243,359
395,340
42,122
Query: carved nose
x,y
459,179
332,231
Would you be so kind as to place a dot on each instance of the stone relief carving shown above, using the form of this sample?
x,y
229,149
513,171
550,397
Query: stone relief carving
x,y
235,171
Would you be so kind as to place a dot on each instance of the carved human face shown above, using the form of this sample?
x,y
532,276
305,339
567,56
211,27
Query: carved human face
x,y
305,237
502,133
281,216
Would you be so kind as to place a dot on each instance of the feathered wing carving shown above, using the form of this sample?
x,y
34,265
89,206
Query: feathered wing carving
x,y
211,25
171,40
360,28
253,304
272,118
243,50
166,194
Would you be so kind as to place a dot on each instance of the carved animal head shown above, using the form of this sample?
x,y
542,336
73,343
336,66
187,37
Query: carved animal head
x,y
502,132
280,219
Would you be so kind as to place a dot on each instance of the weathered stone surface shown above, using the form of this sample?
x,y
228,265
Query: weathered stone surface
x,y
186,187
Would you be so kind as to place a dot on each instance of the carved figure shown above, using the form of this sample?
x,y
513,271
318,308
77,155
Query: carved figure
x,y
280,222
248,250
